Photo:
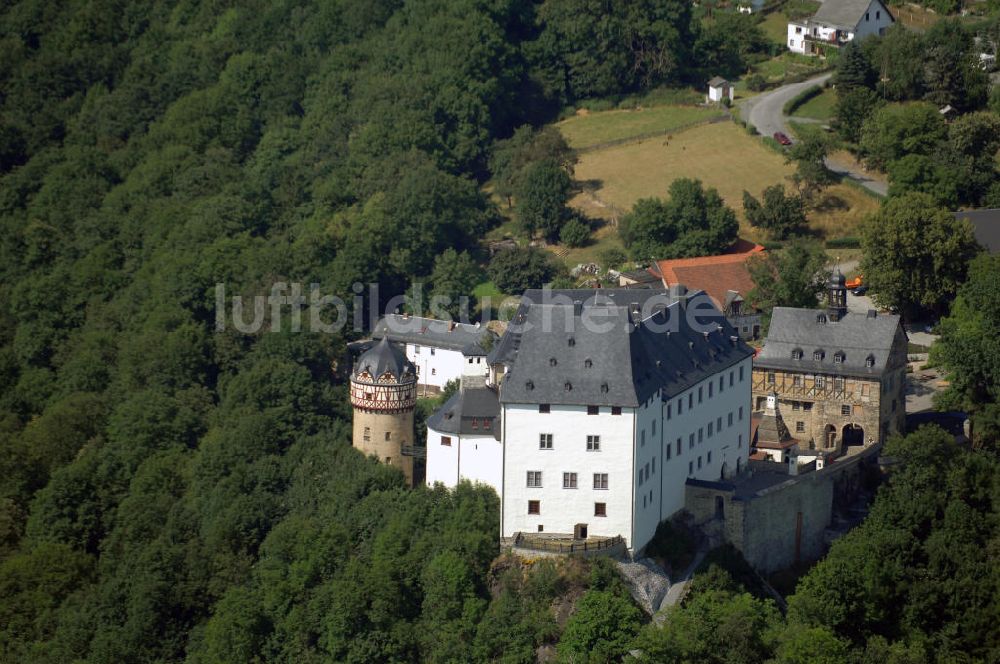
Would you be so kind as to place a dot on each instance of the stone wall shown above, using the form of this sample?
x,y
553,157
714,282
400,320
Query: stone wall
x,y
781,524
373,442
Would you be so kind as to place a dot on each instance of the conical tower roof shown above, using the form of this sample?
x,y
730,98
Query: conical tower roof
x,y
384,358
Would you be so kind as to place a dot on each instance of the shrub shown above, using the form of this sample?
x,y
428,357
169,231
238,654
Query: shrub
x,y
575,233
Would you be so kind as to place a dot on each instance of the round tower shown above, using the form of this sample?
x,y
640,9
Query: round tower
x,y
383,395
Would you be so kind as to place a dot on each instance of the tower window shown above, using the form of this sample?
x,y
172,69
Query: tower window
x,y
388,435
446,441
535,507
600,509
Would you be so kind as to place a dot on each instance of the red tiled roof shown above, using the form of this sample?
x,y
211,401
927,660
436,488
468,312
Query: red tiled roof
x,y
713,274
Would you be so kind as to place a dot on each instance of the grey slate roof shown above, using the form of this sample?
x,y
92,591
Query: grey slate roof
x,y
717,81
429,332
383,357
985,226
856,335
557,353
457,413
844,14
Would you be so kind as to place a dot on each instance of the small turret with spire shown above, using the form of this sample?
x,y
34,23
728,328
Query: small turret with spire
x,y
836,296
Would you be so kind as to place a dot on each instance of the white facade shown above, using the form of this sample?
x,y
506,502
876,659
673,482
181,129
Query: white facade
x,y
802,35
435,366
638,452
716,93
452,458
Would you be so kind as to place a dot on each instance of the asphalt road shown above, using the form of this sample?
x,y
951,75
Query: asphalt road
x,y
766,113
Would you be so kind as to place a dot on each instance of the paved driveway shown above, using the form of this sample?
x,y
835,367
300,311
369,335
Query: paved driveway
x,y
766,112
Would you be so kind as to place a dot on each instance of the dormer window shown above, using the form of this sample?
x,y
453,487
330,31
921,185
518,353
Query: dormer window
x,y
818,355
797,354
838,357
821,318
870,361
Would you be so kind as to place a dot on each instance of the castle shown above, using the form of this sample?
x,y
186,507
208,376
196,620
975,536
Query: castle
x,y
601,413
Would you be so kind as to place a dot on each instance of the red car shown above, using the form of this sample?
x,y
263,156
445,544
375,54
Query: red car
x,y
781,138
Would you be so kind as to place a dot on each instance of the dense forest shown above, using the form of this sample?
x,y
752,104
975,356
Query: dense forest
x,y
170,492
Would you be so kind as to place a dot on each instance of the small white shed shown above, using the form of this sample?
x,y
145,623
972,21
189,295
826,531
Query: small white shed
x,y
719,89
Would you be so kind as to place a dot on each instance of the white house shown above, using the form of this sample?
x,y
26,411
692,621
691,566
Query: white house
x,y
433,346
463,436
838,22
719,89
611,401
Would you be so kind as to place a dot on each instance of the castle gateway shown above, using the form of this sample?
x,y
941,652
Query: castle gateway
x,y
840,377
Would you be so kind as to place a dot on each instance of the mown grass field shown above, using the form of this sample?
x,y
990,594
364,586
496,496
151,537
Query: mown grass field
x,y
721,155
589,129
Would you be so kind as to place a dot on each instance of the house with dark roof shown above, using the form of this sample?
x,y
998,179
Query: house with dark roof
x,y
610,401
435,347
725,279
837,22
839,377
985,226
463,436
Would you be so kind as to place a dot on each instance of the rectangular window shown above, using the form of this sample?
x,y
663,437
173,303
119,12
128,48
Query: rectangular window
x,y
699,393
487,424
475,423
616,410
701,434
807,406
416,350
432,351
638,481
797,380
544,408
838,383
670,449
691,401
741,374
739,443
795,405
678,447
647,471
535,478
729,421
699,463
800,427
722,383
545,441
845,410
710,389
534,507
820,382
709,457
670,409
434,370
691,442
711,428
601,481
569,480
593,410
600,509
718,423
770,378
741,413
593,443
690,467
446,441
680,406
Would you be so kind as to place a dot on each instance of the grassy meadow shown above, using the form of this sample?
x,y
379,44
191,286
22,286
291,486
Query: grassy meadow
x,y
589,129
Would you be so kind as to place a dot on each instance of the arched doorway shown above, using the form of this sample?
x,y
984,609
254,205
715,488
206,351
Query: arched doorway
x,y
854,435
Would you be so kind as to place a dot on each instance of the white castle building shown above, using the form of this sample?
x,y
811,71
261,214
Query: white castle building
x,y
608,401
433,346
